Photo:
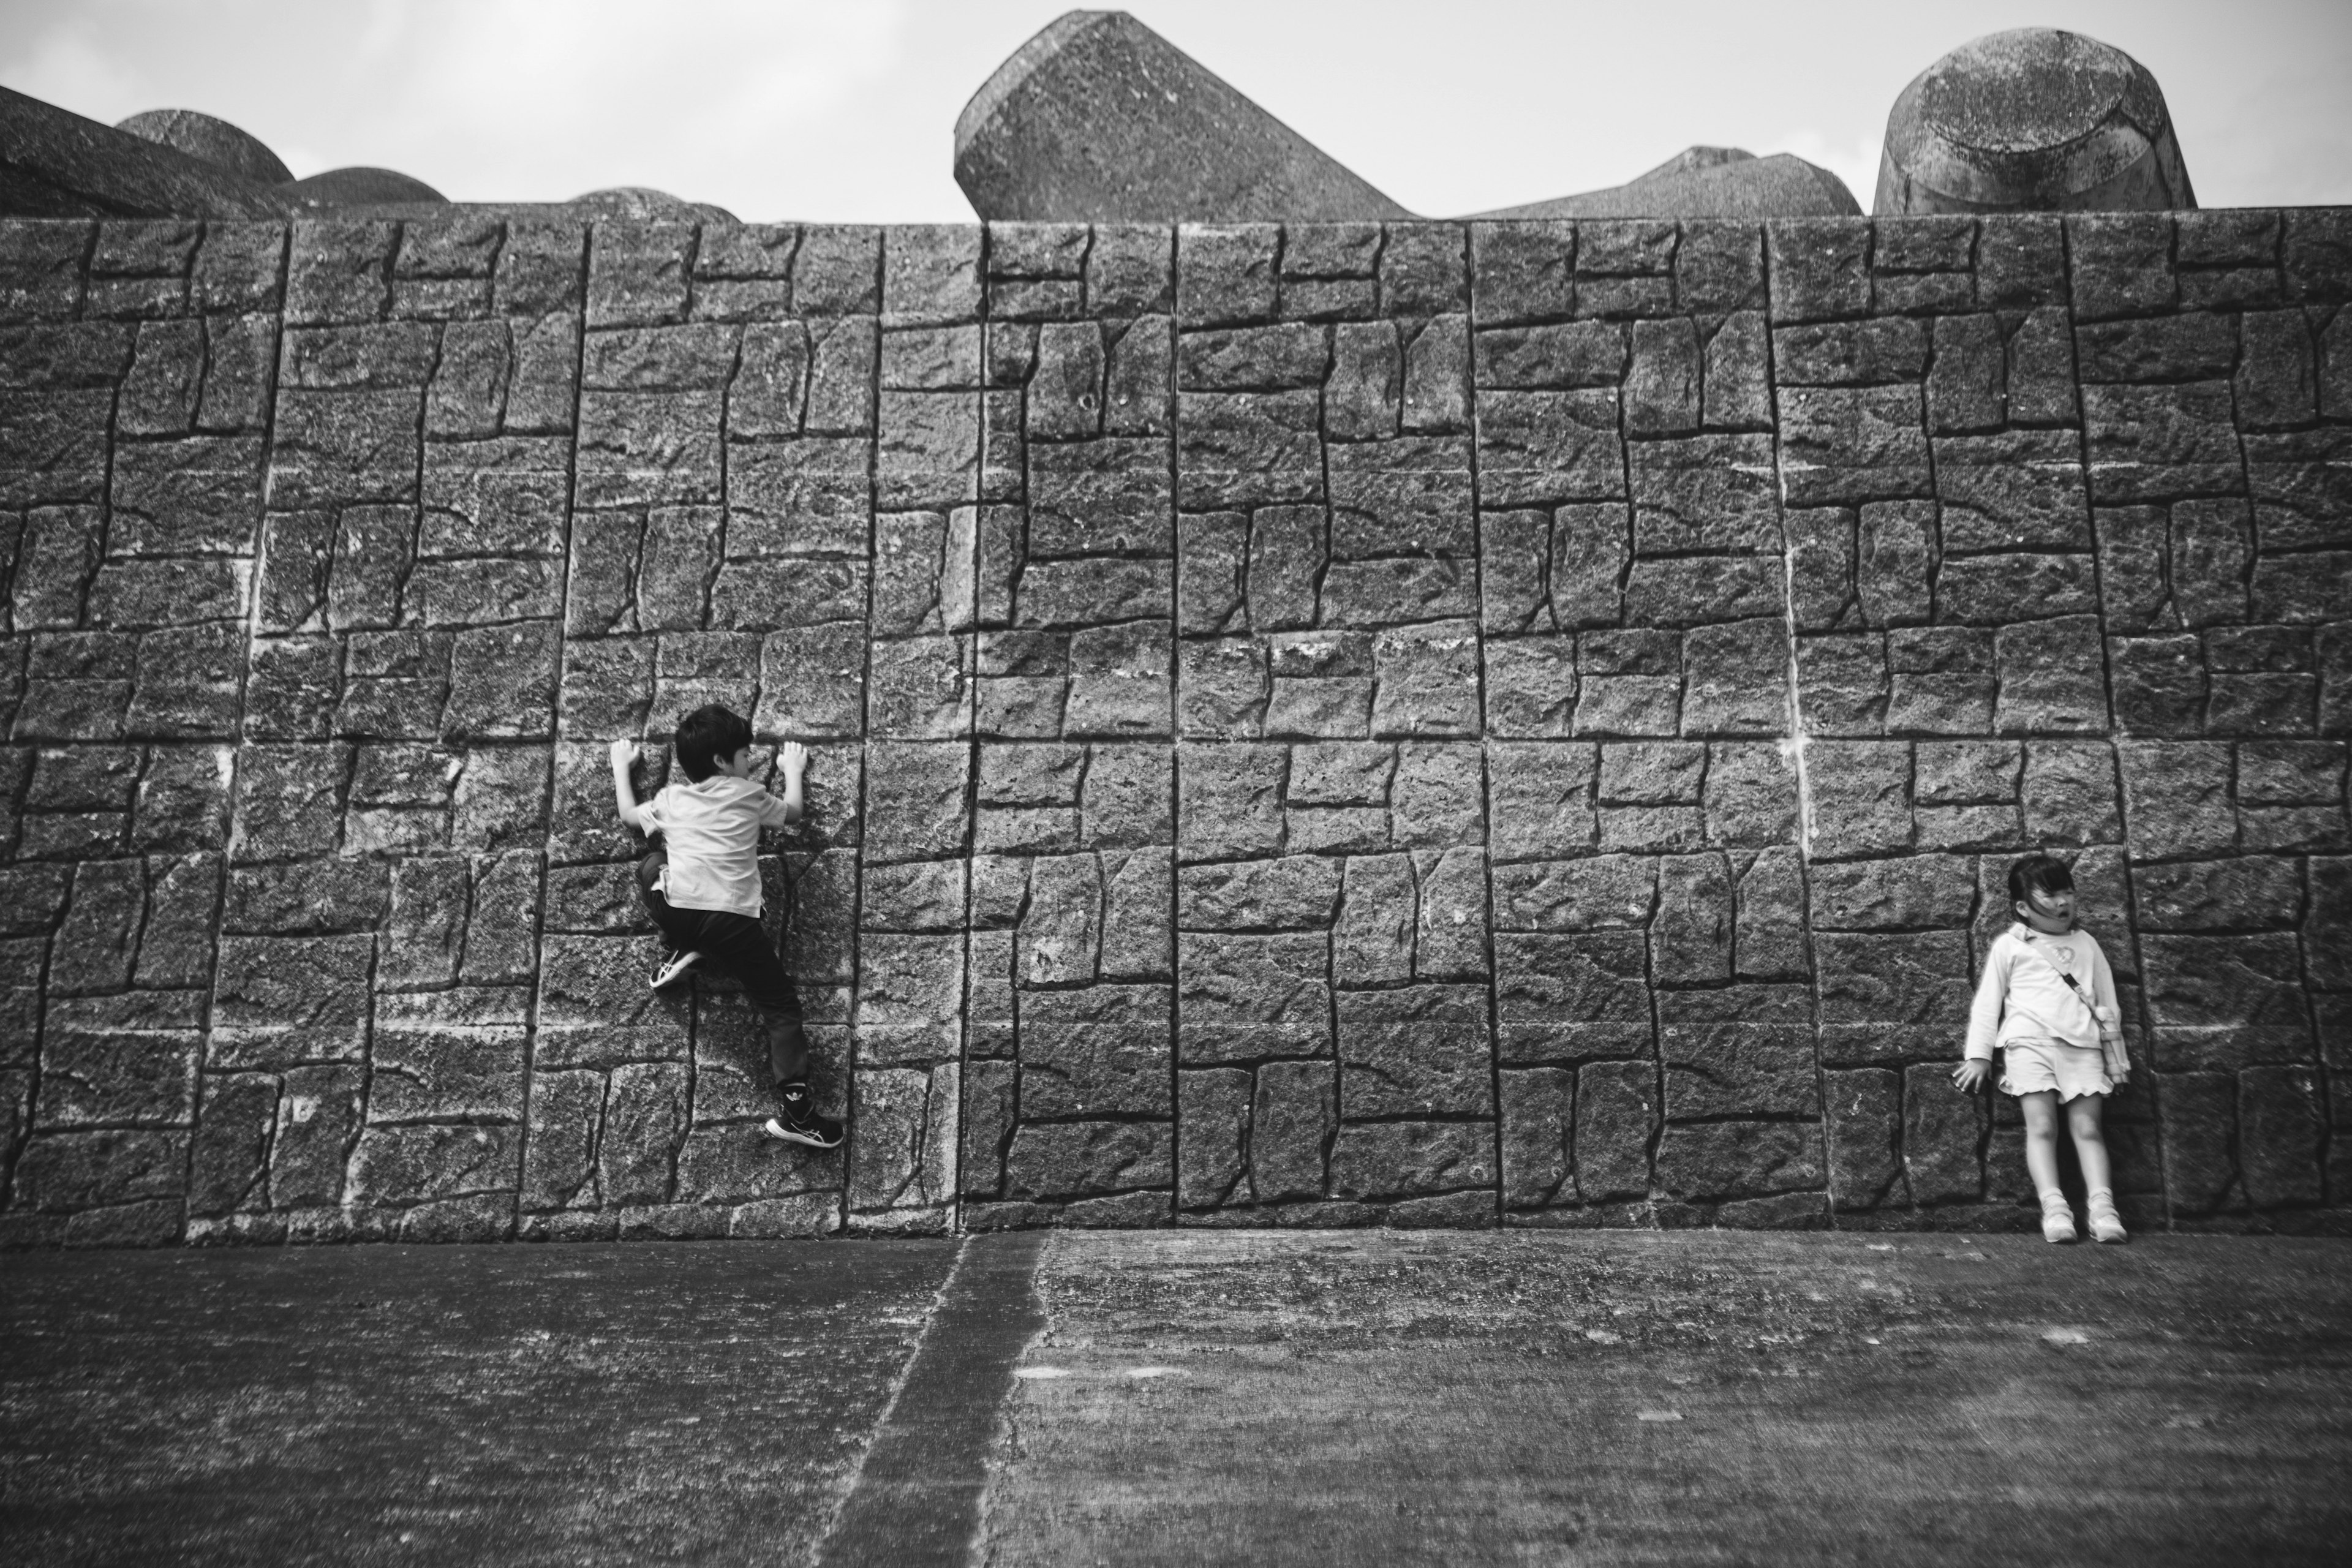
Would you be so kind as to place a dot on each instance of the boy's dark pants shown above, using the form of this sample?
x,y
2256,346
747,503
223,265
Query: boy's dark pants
x,y
737,945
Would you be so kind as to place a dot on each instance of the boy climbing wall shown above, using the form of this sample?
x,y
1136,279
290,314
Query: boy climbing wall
x,y
702,887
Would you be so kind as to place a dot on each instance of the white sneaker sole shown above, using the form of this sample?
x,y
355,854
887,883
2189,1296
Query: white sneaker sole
x,y
671,973
776,1129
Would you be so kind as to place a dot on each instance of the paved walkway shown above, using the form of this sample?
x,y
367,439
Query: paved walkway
x,y
1184,1397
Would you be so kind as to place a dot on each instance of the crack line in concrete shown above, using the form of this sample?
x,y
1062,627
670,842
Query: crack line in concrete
x,y
915,1497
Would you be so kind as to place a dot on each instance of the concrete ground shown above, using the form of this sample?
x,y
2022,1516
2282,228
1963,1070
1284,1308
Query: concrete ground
x,y
1148,1397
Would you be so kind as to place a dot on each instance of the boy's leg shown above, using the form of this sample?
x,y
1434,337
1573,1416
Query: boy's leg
x,y
739,945
678,926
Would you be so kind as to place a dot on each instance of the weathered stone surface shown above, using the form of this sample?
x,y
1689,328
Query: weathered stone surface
x,y
1493,825
1098,119
2032,119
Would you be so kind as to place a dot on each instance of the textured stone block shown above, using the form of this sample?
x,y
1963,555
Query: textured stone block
x,y
1214,1122
1943,1138
1863,1121
1422,1051
1718,1160
1745,1050
1886,997
1537,1137
1861,796
1407,1159
1570,998
1079,1158
2176,798
2197,1113
2219,1003
2281,1127
1243,996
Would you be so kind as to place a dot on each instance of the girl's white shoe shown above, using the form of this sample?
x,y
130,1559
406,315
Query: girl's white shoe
x,y
2057,1218
2106,1224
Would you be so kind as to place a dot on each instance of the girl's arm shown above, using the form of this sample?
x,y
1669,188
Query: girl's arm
x,y
624,795
2103,992
2110,1018
1984,1011
1984,1019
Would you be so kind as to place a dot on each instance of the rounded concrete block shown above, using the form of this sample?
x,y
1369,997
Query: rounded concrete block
x,y
642,203
2033,120
360,186
216,141
1708,182
1098,120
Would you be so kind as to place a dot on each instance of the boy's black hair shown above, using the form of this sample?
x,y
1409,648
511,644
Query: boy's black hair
x,y
706,735
2038,873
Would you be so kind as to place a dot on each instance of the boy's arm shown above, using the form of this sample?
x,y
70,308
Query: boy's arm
x,y
791,760
624,794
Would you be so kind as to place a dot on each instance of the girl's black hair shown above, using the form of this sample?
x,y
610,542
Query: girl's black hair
x,y
707,734
2038,874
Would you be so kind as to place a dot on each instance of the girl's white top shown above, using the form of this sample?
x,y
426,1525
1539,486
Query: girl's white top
x,y
2019,995
710,831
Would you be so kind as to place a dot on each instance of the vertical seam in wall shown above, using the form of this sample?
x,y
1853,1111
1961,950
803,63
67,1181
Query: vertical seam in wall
x,y
1175,751
694,1011
1175,678
1796,742
968,658
1655,1142
1985,1126
850,1051
244,686
1335,1085
557,729
1478,675
2106,668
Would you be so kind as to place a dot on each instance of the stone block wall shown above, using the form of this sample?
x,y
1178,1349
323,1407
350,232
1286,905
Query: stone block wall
x,y
1424,723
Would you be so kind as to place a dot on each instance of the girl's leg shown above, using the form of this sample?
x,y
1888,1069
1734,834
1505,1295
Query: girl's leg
x,y
2090,1142
2041,1140
2083,1118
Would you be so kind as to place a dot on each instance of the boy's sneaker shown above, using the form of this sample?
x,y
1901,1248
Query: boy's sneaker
x,y
798,1122
2057,1219
2106,1225
673,968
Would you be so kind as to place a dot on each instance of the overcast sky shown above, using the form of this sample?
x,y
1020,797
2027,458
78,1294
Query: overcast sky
x,y
845,109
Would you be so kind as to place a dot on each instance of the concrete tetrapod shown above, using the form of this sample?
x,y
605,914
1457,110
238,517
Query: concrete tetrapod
x,y
55,163
215,141
358,185
1099,119
2032,119
1708,182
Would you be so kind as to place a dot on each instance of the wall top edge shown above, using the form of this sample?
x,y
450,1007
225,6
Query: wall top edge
x,y
463,213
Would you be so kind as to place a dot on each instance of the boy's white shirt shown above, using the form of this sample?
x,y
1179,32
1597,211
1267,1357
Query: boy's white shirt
x,y
710,831
2019,995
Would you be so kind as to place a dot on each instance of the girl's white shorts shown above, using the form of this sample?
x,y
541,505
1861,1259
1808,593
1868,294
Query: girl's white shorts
x,y
2030,1067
